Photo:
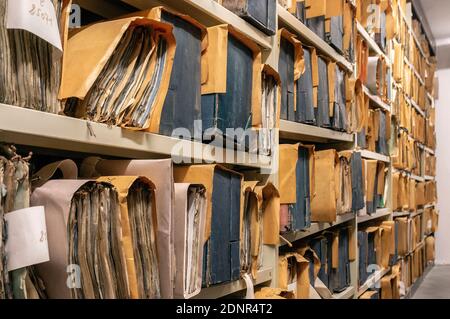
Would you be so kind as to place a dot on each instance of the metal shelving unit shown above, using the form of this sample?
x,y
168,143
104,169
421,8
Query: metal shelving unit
x,y
222,290
372,281
315,228
380,213
310,133
56,132
309,37
375,156
45,130
376,100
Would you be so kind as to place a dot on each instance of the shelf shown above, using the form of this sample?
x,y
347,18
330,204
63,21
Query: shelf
x,y
382,212
348,293
429,178
221,290
209,13
429,206
371,42
376,100
39,129
412,67
410,175
429,150
309,37
372,280
416,213
426,149
417,178
316,228
417,107
375,156
401,214
310,133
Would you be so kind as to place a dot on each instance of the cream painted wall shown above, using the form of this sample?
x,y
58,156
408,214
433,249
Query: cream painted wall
x,y
443,167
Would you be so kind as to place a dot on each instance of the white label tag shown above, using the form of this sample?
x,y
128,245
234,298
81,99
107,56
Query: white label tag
x,y
35,16
27,238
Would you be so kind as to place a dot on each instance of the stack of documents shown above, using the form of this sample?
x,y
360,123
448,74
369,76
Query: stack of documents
x,y
190,213
14,196
126,77
30,67
102,237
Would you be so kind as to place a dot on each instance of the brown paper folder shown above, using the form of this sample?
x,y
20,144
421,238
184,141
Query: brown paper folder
x,y
56,196
344,185
138,218
430,248
160,173
323,202
122,79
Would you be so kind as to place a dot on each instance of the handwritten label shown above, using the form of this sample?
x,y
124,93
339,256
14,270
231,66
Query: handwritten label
x,y
27,238
35,16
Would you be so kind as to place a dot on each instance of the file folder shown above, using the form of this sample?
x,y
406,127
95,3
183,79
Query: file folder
x,y
290,69
160,173
357,182
190,214
260,13
296,186
134,61
344,186
270,110
323,202
322,112
338,106
112,265
306,103
221,254
182,105
260,224
320,247
334,24
370,294
138,222
293,274
231,92
315,16
14,195
341,274
30,68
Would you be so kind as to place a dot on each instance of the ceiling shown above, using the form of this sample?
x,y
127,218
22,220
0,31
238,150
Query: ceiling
x,y
437,14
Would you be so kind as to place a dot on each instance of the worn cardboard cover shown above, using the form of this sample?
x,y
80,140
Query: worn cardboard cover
x,y
56,197
323,202
82,64
181,241
122,185
160,173
215,57
204,175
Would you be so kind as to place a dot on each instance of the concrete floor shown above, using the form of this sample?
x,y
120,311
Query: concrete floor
x,y
436,285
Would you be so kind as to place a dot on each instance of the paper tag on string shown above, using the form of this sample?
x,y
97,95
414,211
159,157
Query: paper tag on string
x,y
37,17
26,244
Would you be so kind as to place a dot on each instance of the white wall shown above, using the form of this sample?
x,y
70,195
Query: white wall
x,y
443,167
